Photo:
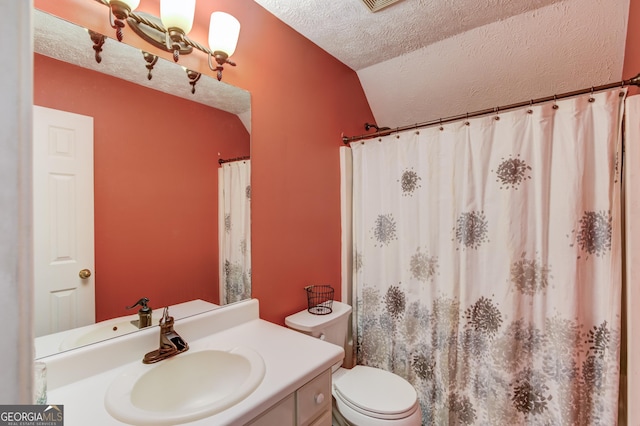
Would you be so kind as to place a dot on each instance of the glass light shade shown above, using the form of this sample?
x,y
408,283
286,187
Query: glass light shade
x,y
131,3
224,30
177,14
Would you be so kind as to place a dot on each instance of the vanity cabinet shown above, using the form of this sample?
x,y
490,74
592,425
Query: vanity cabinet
x,y
283,413
295,391
310,405
313,402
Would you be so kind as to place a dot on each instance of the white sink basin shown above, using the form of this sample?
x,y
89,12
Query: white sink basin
x,y
187,387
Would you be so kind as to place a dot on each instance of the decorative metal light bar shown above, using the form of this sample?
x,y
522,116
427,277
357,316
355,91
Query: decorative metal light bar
x,y
170,31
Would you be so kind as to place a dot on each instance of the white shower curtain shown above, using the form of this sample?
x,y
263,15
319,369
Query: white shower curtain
x,y
235,231
487,263
632,260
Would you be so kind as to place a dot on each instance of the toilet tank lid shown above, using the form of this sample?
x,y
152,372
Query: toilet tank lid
x,y
306,321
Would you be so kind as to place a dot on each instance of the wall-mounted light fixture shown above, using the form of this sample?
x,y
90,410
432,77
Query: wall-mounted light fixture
x,y
119,10
151,61
193,77
98,41
177,18
169,32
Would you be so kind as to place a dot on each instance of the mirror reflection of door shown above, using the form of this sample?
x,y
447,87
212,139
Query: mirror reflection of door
x,y
63,220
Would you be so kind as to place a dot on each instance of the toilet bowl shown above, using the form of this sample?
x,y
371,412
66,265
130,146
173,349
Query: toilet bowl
x,y
362,396
373,397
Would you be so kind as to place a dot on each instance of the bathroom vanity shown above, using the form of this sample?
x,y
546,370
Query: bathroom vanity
x,y
290,375
310,405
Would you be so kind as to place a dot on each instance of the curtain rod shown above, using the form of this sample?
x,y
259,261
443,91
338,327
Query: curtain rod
x,y
222,161
635,81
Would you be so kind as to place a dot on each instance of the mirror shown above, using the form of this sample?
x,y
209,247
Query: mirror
x,y
155,169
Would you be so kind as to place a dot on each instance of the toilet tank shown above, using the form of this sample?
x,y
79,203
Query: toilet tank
x,y
331,327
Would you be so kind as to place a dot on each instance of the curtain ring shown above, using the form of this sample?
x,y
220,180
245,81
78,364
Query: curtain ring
x,y
497,111
441,128
417,131
466,123
555,105
530,110
591,98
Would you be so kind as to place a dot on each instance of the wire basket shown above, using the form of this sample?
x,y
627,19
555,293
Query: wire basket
x,y
319,299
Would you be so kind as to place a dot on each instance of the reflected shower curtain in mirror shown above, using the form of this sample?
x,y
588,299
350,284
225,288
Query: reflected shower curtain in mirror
x,y
235,231
487,263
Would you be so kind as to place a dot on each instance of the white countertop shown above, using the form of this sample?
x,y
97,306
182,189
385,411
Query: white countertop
x,y
53,343
79,379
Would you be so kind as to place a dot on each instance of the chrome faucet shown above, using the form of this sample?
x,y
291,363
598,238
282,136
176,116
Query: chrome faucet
x,y
170,342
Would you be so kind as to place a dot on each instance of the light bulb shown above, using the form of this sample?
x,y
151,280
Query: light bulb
x,y
224,30
177,14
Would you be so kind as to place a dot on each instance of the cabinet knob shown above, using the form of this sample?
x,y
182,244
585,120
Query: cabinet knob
x,y
321,337
319,398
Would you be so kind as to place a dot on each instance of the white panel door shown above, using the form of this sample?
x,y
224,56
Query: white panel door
x,y
63,220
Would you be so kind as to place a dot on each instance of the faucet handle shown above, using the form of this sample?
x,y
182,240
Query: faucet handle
x,y
142,303
165,316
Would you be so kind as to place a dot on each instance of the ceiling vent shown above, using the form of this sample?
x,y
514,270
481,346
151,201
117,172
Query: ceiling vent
x,y
376,5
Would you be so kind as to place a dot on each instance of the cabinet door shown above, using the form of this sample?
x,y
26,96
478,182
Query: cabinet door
x,y
324,420
314,399
282,414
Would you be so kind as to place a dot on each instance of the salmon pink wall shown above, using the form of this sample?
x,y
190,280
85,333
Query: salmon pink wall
x,y
155,173
632,47
303,99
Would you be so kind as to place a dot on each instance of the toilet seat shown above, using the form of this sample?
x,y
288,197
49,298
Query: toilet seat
x,y
376,393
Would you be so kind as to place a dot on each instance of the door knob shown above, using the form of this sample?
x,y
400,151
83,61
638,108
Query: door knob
x,y
84,274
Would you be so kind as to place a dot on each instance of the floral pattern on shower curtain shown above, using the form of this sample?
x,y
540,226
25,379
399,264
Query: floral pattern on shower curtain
x,y
235,232
487,263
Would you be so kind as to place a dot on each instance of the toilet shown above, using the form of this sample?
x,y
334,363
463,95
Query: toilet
x,y
362,396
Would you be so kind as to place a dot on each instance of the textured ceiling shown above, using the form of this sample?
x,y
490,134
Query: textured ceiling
x,y
359,38
420,60
67,42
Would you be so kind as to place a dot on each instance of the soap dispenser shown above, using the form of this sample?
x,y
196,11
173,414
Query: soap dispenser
x,y
144,313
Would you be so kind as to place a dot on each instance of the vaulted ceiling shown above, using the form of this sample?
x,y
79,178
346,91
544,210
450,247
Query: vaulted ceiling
x,y
420,60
